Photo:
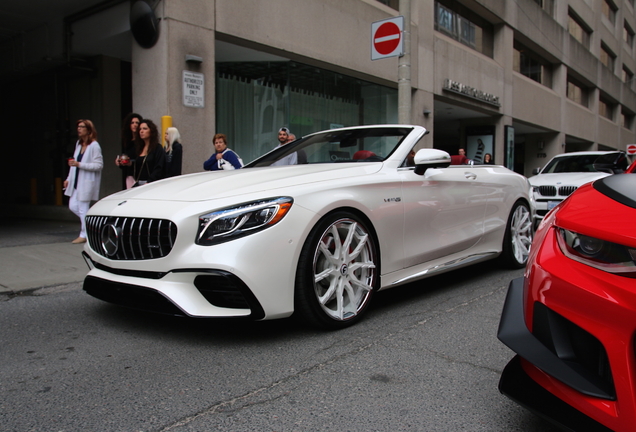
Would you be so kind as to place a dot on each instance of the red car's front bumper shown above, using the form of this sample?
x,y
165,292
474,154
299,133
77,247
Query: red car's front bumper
x,y
573,328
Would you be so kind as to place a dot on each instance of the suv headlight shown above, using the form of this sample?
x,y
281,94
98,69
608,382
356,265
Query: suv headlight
x,y
241,220
600,254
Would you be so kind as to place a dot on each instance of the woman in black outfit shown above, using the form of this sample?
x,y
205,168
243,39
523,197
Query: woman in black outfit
x,y
128,133
150,157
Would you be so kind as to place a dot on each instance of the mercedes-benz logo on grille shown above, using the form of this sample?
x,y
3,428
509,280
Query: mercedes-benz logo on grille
x,y
110,239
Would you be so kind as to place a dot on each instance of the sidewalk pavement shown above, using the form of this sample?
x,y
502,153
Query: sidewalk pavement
x,y
38,253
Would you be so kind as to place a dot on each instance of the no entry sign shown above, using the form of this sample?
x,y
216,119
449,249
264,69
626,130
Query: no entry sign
x,y
631,149
386,38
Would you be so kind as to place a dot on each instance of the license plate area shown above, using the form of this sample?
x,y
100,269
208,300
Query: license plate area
x,y
553,204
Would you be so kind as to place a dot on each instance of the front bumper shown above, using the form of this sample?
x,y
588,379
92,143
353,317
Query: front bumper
x,y
251,277
180,292
554,361
573,329
515,382
518,386
543,207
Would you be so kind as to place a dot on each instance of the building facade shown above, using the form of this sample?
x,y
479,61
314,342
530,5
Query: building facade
x,y
522,80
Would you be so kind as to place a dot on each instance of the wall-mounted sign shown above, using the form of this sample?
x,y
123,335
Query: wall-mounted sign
x,y
193,89
471,92
386,38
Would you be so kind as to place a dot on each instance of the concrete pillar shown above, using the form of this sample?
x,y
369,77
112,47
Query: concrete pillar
x,y
423,107
109,135
503,53
404,68
186,28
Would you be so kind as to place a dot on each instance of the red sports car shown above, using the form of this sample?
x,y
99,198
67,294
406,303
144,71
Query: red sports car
x,y
572,318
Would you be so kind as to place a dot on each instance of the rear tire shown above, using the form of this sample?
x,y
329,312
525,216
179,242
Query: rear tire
x,y
338,271
518,237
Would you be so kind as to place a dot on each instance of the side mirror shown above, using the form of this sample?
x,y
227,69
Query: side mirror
x,y
536,171
430,158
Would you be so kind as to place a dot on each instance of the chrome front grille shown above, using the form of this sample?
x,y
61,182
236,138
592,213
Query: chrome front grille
x,y
125,238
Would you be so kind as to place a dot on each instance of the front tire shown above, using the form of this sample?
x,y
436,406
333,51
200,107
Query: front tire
x,y
518,237
338,271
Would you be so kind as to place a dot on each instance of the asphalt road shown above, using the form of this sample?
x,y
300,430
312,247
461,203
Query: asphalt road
x,y
426,358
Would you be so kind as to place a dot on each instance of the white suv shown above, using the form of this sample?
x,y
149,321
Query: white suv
x,y
566,172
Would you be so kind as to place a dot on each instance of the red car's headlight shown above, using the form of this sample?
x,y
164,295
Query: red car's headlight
x,y
597,253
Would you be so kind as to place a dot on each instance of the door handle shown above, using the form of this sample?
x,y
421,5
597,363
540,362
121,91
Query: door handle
x,y
470,176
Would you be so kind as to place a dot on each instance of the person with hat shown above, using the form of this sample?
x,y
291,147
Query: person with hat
x,y
283,138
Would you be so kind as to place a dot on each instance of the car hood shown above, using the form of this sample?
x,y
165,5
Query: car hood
x,y
565,179
222,184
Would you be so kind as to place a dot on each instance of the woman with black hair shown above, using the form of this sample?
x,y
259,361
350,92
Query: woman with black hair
x,y
127,156
150,156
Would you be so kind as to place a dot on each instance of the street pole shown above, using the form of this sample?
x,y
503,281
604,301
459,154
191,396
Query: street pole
x,y
404,67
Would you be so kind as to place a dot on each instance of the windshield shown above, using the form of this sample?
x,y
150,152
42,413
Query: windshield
x,y
566,164
350,145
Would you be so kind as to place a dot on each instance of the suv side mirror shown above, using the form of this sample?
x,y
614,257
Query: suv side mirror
x,y
536,171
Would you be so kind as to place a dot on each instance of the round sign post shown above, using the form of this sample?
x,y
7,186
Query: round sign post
x,y
386,38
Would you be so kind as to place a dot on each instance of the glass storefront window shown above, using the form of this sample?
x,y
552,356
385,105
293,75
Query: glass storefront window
x,y
255,99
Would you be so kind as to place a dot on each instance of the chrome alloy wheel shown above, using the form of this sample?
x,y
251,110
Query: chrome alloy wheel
x,y
521,233
344,269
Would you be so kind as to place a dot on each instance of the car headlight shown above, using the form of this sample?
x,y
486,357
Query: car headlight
x,y
238,221
603,255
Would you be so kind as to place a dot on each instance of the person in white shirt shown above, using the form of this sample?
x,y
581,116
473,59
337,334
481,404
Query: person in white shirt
x,y
84,177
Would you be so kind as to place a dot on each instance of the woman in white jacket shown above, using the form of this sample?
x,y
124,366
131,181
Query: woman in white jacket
x,y
84,177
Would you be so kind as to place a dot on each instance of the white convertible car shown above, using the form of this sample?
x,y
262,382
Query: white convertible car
x,y
359,213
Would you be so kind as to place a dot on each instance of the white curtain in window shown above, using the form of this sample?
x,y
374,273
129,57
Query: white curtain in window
x,y
312,112
235,115
250,114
